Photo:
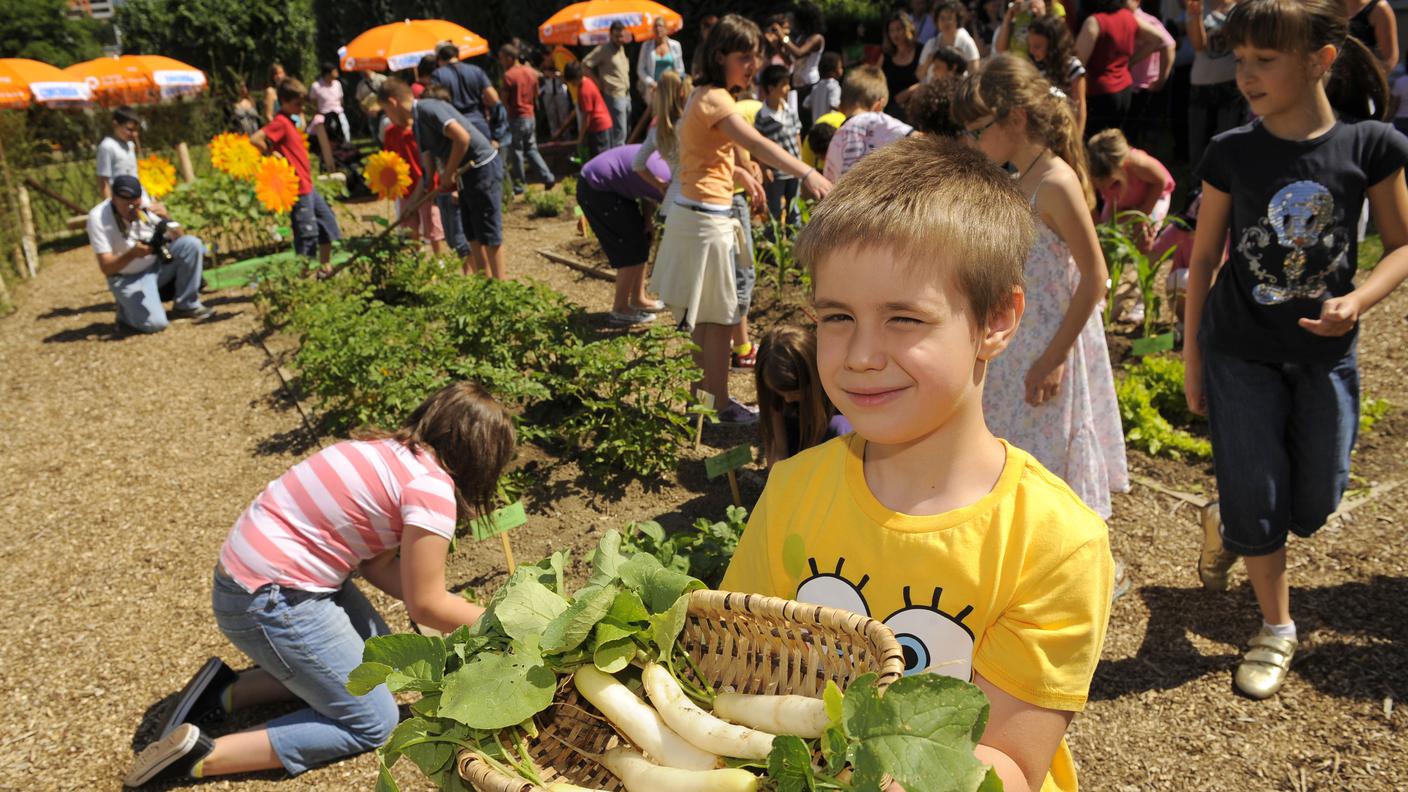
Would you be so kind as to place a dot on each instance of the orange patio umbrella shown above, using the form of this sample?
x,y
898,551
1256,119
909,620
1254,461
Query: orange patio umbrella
x,y
137,79
590,22
401,45
24,82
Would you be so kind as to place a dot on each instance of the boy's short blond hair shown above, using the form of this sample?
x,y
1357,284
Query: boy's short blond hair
x,y
937,204
864,87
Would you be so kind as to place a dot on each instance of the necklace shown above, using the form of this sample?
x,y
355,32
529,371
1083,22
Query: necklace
x,y
1037,158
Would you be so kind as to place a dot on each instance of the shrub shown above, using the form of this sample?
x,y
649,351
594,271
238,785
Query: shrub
x,y
1150,393
547,203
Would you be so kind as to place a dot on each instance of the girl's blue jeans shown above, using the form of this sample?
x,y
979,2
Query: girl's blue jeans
x,y
1281,438
310,642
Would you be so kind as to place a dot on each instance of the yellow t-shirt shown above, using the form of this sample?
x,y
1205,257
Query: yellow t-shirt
x,y
1015,586
706,153
748,110
834,118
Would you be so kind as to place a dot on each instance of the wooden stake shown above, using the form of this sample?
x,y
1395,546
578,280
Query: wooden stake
x,y
577,265
27,239
4,294
68,204
733,486
183,155
508,551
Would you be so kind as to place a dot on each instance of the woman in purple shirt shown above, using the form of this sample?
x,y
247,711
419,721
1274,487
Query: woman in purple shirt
x,y
610,194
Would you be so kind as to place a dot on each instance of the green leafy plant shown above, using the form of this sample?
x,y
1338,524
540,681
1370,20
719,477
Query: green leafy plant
x,y
1371,411
1121,251
546,203
224,212
482,688
703,551
1151,399
773,244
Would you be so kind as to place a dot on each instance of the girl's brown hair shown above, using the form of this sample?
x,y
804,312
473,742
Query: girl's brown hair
x,y
1305,26
787,362
731,34
886,44
1060,49
470,433
1107,149
1007,83
667,105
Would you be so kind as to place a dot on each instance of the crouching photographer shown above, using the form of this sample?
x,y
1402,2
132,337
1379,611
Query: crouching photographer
x,y
142,251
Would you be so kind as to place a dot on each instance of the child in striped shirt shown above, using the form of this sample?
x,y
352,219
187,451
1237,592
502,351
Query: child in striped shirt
x,y
384,506
777,121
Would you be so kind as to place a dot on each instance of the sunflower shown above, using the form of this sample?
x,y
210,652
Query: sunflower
x,y
276,184
388,175
157,174
235,155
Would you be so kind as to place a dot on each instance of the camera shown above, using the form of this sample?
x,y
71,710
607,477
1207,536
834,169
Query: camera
x,y
160,245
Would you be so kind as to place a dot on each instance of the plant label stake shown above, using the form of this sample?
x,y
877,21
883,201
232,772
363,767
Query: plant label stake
x,y
706,403
1152,344
728,462
499,522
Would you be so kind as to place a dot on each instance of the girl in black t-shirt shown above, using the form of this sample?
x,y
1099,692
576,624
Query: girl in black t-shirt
x,y
1273,364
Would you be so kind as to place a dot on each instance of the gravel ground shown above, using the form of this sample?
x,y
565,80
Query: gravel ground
x,y
126,460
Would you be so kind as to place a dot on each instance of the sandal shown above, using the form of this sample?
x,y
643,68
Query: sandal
x,y
1264,667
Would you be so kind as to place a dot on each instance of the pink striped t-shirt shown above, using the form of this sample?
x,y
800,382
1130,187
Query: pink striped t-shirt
x,y
313,525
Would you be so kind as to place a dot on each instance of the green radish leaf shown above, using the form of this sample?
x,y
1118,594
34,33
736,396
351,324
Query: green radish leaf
x,y
495,691
921,731
385,782
613,656
428,706
606,559
658,587
835,703
572,626
609,631
991,783
405,731
790,765
665,627
365,677
403,649
835,749
419,676
627,608
528,609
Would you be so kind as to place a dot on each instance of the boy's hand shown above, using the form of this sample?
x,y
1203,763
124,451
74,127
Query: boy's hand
x,y
1044,381
1193,379
447,181
1337,317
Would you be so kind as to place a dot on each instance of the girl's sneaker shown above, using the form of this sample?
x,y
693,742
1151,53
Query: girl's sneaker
x,y
736,413
631,317
200,698
746,360
650,306
1264,667
1215,561
173,756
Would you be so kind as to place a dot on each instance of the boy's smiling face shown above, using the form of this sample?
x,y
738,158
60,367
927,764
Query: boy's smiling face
x,y
898,349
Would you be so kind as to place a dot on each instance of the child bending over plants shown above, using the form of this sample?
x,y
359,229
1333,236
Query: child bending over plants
x,y
794,412
984,564
385,506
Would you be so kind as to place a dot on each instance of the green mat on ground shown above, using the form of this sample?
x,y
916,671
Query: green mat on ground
x,y
241,273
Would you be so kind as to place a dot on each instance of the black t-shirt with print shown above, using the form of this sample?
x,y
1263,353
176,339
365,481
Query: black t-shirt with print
x,y
1295,213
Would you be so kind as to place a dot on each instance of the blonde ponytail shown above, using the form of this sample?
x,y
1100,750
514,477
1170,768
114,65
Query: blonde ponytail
x,y
667,105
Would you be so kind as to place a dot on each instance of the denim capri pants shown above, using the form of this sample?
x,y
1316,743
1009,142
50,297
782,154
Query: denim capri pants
x,y
1281,439
310,642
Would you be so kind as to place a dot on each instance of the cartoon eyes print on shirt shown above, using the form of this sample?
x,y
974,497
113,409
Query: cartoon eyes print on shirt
x,y
932,640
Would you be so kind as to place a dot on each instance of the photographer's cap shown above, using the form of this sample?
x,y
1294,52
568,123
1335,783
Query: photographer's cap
x,y
127,186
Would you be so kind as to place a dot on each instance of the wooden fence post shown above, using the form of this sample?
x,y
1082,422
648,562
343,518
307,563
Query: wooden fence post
x,y
28,242
183,154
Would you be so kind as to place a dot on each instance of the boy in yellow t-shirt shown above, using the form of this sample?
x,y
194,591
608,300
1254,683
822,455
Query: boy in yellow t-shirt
x,y
986,566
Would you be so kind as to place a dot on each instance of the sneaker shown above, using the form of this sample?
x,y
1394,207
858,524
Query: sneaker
x,y
748,360
1215,561
200,698
197,313
1122,582
171,757
651,306
1264,667
736,413
630,318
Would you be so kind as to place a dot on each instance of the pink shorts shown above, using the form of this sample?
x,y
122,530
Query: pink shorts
x,y
424,224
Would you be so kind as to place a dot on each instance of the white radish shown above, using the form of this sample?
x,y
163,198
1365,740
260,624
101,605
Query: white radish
x,y
639,774
563,786
638,721
696,725
799,716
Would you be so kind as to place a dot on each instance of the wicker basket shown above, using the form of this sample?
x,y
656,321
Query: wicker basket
x,y
751,643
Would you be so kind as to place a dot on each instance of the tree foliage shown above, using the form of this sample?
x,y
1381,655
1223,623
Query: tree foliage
x,y
233,41
43,30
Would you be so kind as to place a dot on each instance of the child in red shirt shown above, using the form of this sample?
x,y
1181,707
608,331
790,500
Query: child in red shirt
x,y
594,119
314,225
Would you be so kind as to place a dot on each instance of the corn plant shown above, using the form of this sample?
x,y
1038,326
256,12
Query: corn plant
x,y
1122,251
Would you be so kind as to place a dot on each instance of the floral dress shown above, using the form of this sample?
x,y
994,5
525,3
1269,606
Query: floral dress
x,y
1076,434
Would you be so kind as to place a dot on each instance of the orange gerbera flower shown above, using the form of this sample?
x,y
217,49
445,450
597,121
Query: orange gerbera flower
x,y
276,184
234,154
388,175
157,174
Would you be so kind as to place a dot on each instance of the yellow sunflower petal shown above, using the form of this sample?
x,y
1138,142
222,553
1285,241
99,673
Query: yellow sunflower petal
x,y
276,184
157,174
388,175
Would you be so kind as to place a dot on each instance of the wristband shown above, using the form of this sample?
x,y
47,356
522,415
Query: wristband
x,y
809,172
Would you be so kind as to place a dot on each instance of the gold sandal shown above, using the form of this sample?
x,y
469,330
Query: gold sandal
x,y
1264,667
1215,561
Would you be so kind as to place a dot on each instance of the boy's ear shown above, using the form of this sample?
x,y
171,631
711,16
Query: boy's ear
x,y
1001,326
878,105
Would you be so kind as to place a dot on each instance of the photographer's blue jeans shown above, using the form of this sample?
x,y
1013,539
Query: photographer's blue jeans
x,y
524,146
139,296
310,642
